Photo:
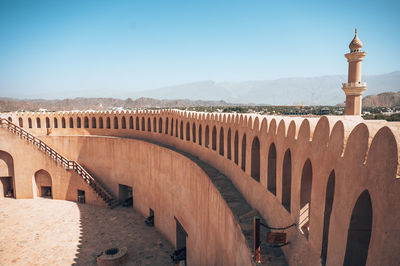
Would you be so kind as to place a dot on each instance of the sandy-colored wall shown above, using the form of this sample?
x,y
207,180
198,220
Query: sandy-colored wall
x,y
28,160
171,185
363,154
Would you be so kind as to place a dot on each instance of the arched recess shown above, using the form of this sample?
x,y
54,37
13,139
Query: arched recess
x,y
55,122
130,122
115,122
154,124
172,127
148,124
194,132
181,130
143,125
20,122
305,198
78,122
9,119
214,138
94,122
160,125
244,152
271,182
207,137
108,123
137,123
176,128
236,147
71,122
7,184
29,122
255,159
229,148
200,135
221,142
47,122
359,233
43,182
187,131
63,124
123,122
166,125
38,125
330,191
86,122
287,180
100,122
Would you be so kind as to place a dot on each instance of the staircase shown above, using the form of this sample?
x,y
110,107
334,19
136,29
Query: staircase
x,y
100,189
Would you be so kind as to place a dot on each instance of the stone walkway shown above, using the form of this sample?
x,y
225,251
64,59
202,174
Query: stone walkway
x,y
56,232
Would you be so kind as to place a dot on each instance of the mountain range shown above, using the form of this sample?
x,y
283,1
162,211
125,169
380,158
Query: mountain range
x,y
324,90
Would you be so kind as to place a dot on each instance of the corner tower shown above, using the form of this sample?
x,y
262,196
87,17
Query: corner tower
x,y
354,88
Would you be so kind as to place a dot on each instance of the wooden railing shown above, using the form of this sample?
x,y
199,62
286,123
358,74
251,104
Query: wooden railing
x,y
59,159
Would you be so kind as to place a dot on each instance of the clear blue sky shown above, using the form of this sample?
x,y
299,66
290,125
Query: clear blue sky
x,y
57,49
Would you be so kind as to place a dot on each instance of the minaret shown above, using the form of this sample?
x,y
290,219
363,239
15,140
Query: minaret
x,y
354,88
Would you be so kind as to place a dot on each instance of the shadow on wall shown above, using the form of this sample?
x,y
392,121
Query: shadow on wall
x,y
102,229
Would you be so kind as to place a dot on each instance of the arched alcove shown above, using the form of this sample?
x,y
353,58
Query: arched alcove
x,y
100,122
29,122
123,122
305,198
287,180
20,122
330,191
143,125
137,123
86,122
38,125
43,182
94,122
160,125
194,132
148,124
7,184
255,159
63,124
236,147
181,130
229,148
166,125
71,122
78,122
130,122
359,233
271,182
221,141
115,122
214,138
176,128
47,122
55,122
244,152
187,131
154,124
200,135
108,123
207,137
172,127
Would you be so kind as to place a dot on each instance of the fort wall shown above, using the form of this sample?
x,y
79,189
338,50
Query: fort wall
x,y
283,166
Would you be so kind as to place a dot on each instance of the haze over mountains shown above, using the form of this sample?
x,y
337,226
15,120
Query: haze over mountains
x,y
324,90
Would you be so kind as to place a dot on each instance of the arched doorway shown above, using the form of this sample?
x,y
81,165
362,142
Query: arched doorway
x,y
43,184
7,185
359,234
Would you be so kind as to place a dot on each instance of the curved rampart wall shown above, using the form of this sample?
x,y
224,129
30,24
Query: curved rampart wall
x,y
361,156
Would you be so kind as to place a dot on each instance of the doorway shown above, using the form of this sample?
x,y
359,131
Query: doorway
x,y
126,195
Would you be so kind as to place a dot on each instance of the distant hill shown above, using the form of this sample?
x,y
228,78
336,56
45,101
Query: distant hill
x,y
324,90
99,104
386,99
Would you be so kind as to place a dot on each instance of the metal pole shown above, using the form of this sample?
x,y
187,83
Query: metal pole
x,y
257,255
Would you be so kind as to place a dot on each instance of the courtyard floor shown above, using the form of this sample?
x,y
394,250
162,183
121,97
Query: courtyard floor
x,y
56,232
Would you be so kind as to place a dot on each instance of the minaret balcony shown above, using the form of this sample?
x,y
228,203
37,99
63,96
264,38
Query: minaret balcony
x,y
354,88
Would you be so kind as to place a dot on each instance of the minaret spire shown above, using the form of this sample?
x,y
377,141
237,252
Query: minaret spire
x,y
354,88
